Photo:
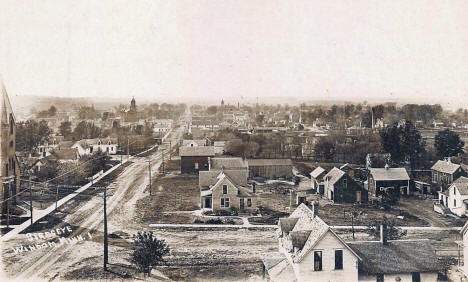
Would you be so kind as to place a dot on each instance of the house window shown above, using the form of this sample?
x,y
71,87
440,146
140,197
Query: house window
x,y
196,165
454,191
380,278
338,259
91,149
416,277
11,144
12,124
225,189
454,202
317,260
345,182
249,202
225,202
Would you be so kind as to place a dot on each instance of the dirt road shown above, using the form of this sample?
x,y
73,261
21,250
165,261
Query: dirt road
x,y
86,217
424,209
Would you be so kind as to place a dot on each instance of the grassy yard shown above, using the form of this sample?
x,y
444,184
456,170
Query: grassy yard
x,y
171,195
274,205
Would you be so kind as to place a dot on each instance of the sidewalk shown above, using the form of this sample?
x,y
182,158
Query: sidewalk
x,y
38,214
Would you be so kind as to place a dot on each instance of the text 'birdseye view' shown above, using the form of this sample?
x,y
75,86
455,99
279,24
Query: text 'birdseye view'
x,y
234,140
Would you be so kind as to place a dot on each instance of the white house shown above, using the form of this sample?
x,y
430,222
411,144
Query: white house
x,y
90,146
458,196
309,250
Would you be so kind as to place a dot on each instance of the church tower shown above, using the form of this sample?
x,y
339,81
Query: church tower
x,y
133,105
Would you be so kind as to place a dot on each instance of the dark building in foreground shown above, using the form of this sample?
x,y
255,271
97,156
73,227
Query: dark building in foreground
x,y
195,159
9,167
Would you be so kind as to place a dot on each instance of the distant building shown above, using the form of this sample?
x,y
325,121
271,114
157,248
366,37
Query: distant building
x,y
270,168
444,173
91,146
377,160
341,188
395,180
131,115
65,155
316,177
9,166
195,159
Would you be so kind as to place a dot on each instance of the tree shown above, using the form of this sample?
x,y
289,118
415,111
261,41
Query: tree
x,y
31,134
392,231
404,143
212,110
148,251
52,111
86,130
65,129
325,150
448,144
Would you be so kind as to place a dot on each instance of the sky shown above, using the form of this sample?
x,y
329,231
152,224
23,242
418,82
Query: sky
x,y
236,49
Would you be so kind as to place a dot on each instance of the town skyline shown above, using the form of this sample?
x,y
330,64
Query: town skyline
x,y
204,50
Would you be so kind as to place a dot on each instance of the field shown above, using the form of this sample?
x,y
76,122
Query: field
x,y
173,198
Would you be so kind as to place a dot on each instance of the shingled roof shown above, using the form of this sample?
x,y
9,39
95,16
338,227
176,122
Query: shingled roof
x,y
334,175
287,224
462,185
269,162
445,167
200,151
396,256
386,174
317,172
228,163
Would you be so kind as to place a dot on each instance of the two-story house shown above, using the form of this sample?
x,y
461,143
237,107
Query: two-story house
x,y
309,250
341,188
226,194
444,173
457,196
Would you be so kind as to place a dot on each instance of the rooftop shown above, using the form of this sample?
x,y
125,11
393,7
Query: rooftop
x,y
445,167
400,256
264,162
381,174
227,163
316,172
205,151
334,175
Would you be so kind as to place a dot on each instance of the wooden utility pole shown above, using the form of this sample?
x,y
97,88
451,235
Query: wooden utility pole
x,y
149,171
56,195
164,171
128,148
8,205
170,149
106,247
30,199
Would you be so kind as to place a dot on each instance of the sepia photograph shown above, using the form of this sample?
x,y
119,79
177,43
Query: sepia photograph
x,y
234,140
